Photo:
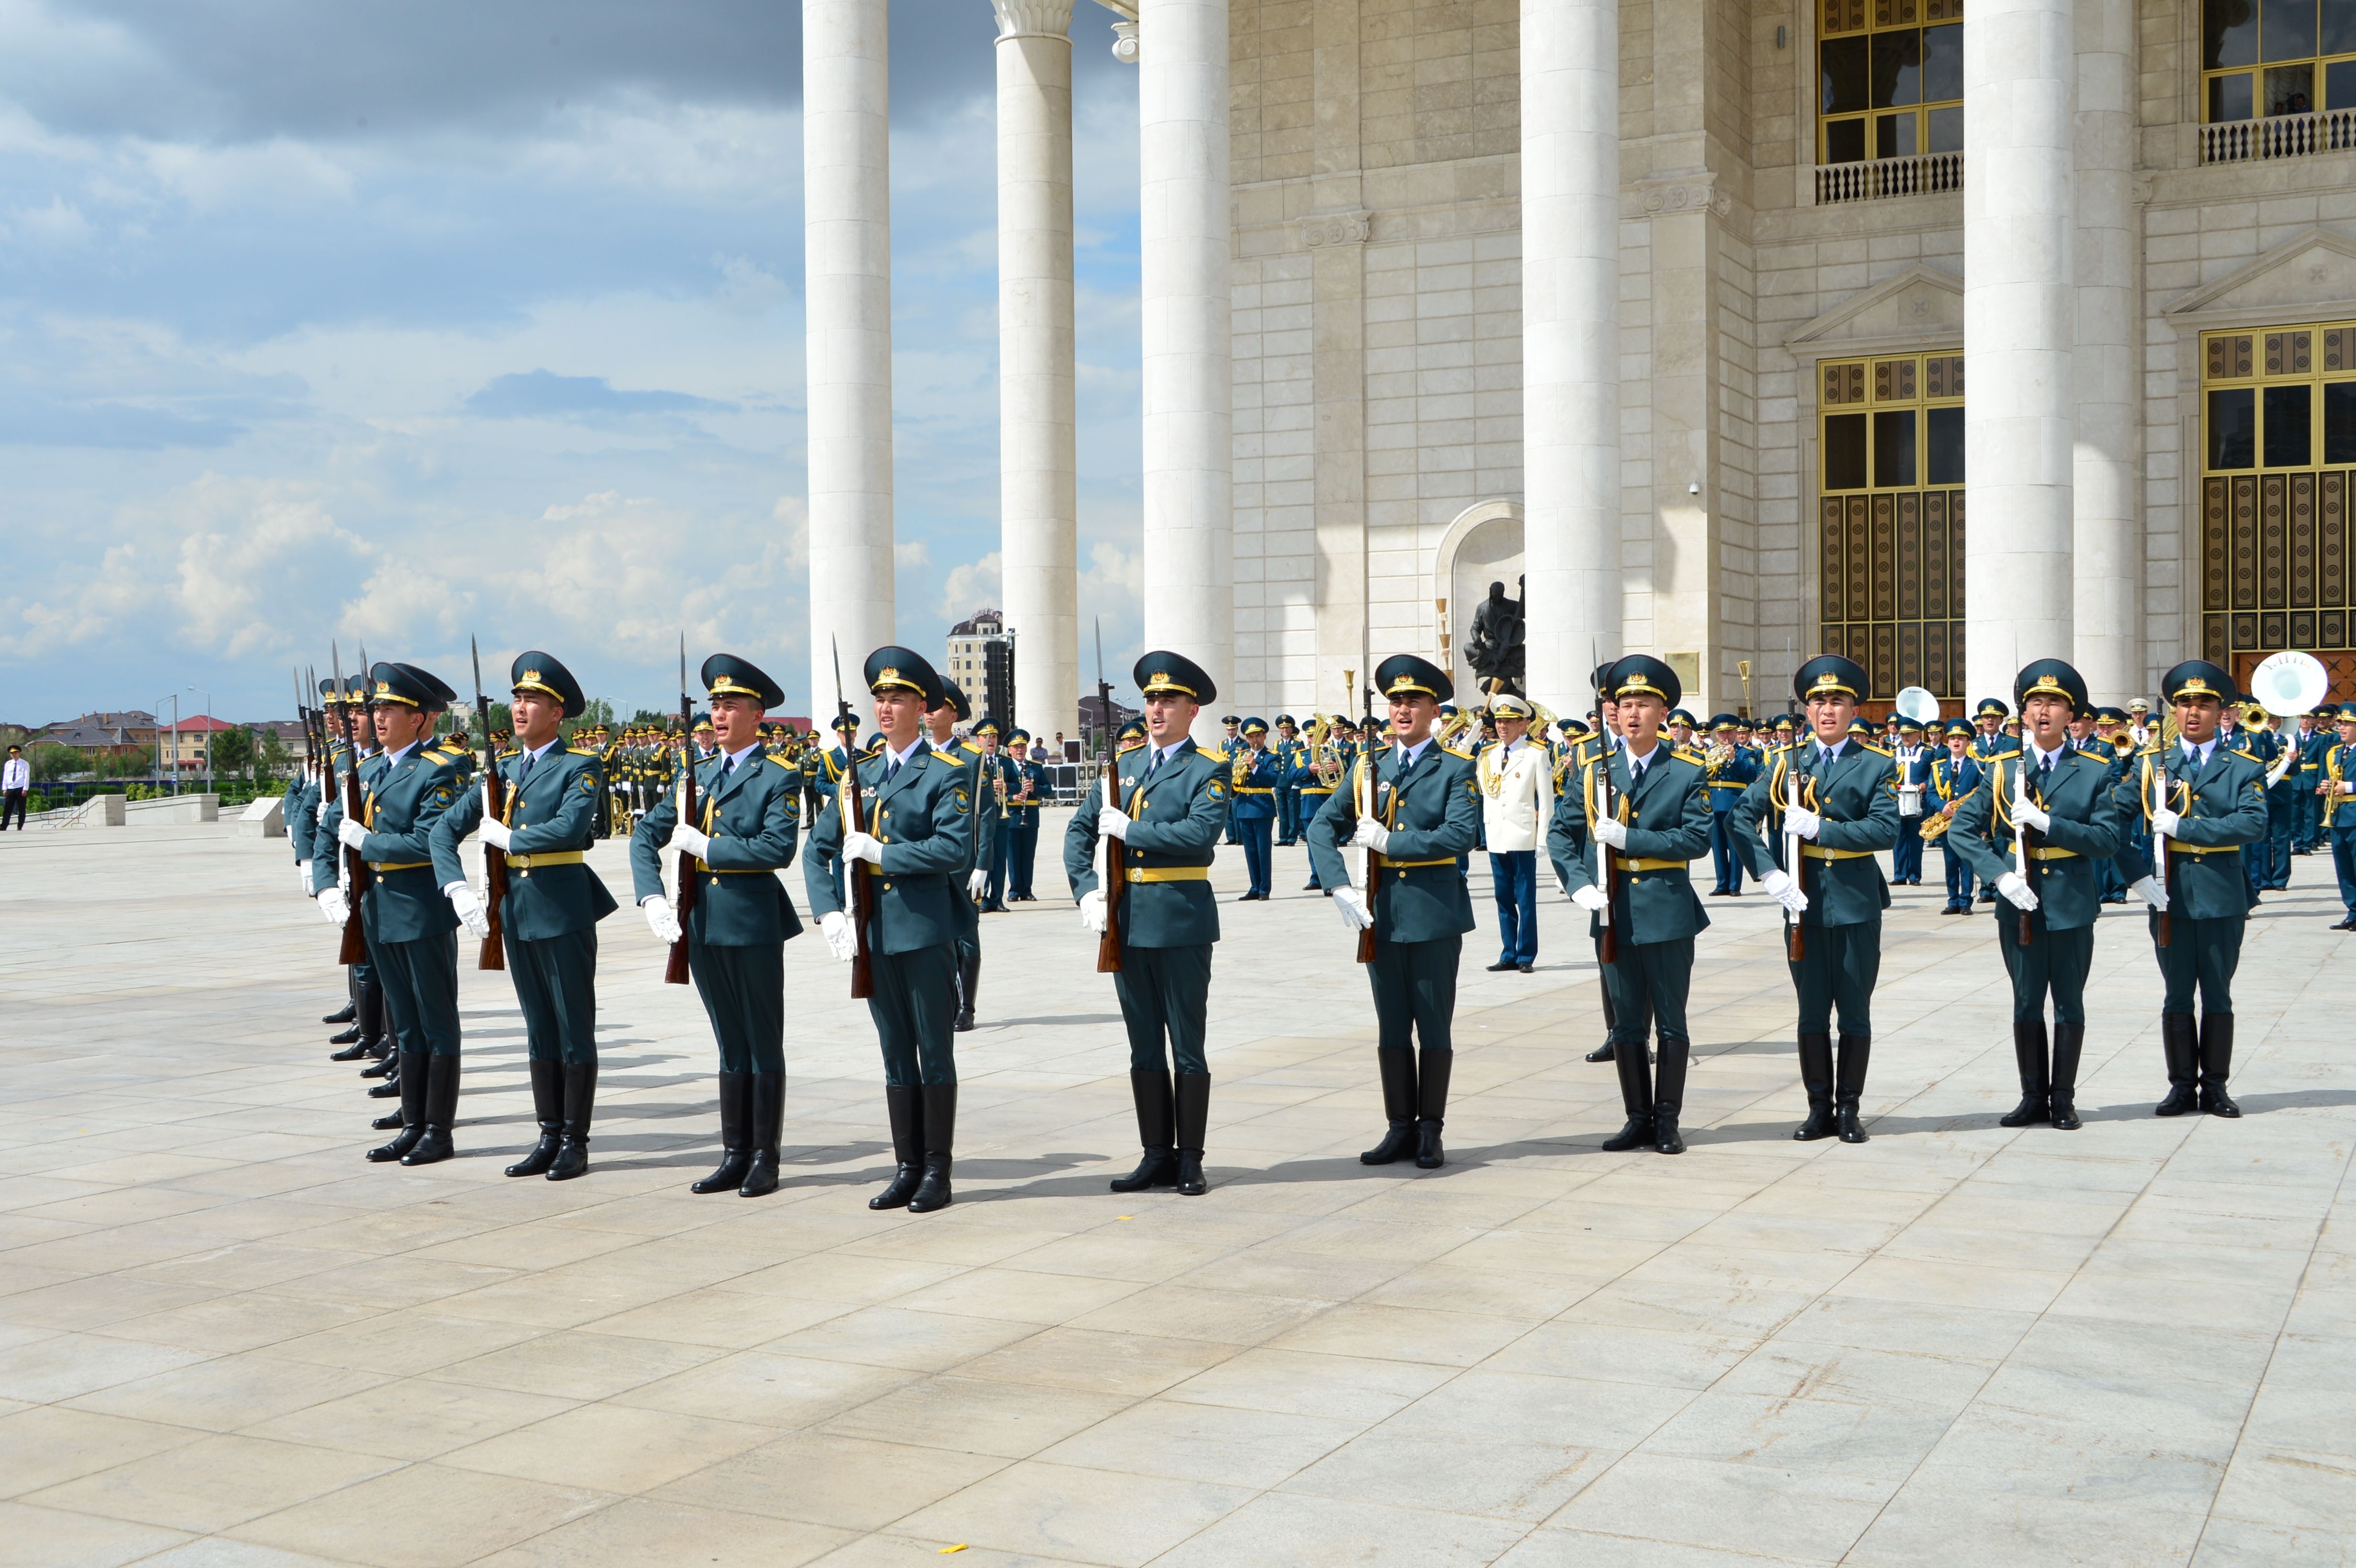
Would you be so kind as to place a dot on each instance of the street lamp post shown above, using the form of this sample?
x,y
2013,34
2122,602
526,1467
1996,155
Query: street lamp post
x,y
176,740
208,734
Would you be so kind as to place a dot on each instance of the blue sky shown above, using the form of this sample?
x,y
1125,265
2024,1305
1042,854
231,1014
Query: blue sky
x,y
397,324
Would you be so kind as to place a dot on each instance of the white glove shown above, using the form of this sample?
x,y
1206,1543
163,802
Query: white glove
x,y
979,883
863,847
2019,892
1351,906
1092,910
1613,831
351,835
303,876
2164,822
693,841
2031,815
2152,892
1112,822
497,834
1590,899
1799,819
1784,891
1371,835
470,908
840,940
661,919
334,907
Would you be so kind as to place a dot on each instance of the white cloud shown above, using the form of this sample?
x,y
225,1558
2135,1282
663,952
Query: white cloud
x,y
971,585
911,552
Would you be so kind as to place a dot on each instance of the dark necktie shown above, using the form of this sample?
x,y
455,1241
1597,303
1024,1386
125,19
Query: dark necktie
x,y
523,773
891,766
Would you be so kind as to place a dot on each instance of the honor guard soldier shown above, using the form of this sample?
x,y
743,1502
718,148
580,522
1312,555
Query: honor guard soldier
x,y
1253,773
2035,829
745,829
1953,777
1601,740
548,921
943,719
915,850
1731,768
367,1036
1172,804
2202,804
1413,806
1030,791
412,930
1847,794
1658,820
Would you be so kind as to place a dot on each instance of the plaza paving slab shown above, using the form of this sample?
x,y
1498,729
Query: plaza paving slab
x,y
227,1340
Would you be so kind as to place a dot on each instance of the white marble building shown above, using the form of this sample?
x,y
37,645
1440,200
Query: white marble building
x,y
1665,307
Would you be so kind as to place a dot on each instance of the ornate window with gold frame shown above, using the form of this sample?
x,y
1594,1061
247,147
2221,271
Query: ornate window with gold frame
x,y
2278,448
1890,518
1889,80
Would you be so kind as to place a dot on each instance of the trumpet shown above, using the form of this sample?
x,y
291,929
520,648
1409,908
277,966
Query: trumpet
x,y
999,782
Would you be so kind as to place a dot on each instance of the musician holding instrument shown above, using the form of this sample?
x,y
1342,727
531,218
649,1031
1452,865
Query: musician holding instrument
x,y
1730,766
1253,776
2034,830
1413,806
1837,796
1029,793
543,824
1140,864
1649,810
744,830
1953,778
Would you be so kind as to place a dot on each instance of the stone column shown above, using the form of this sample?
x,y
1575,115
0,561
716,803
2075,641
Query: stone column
x,y
1570,341
2018,62
1038,496
1184,234
847,235
2107,535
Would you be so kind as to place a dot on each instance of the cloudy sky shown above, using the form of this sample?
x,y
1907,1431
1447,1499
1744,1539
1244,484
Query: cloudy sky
x,y
400,323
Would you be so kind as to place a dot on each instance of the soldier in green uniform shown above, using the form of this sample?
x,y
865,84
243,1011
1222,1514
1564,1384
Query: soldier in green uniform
x,y
2202,803
1421,809
1603,738
548,922
2061,801
368,1036
412,929
1658,821
744,832
1848,810
1028,793
1159,838
915,850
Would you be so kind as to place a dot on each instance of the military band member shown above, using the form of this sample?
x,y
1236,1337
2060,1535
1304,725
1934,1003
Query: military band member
x,y
1659,821
1288,759
994,784
1953,777
2336,786
412,929
1029,793
915,850
1172,805
745,830
1848,810
1990,718
548,922
1253,774
1913,782
2207,802
1730,766
1231,740
2071,823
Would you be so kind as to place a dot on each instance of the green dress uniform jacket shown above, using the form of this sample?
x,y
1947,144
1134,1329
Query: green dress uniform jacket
x,y
1668,825
925,816
2087,827
1166,858
552,815
1856,792
1433,817
2223,807
398,803
753,823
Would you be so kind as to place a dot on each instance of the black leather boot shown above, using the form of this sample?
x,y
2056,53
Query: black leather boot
x,y
412,1112
1192,1115
2217,1064
578,1083
968,976
1817,1077
2179,1043
1432,1107
769,1112
2029,1057
1668,1096
905,1105
1635,1069
1149,1088
735,1128
342,1015
373,1033
387,1122
1397,1069
351,1037
548,1109
2069,1041
441,1112
940,1137
1856,1050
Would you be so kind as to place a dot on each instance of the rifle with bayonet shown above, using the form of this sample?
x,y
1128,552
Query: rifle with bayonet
x,y
675,965
852,818
1110,877
494,954
357,878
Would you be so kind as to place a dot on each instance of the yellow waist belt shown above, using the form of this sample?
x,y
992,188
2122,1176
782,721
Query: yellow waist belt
x,y
2051,852
397,865
1390,865
1167,874
1627,865
2176,849
1255,789
552,858
1816,852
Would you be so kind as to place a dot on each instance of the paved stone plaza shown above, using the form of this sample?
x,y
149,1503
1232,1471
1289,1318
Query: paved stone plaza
x,y
226,1340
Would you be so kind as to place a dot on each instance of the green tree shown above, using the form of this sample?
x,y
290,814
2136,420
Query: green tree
x,y
51,761
597,710
273,754
232,753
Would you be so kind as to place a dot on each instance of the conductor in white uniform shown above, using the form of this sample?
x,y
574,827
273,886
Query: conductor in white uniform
x,y
1516,775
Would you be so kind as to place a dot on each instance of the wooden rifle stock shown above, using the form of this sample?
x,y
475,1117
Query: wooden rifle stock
x,y
494,954
675,964
1115,880
355,945
863,893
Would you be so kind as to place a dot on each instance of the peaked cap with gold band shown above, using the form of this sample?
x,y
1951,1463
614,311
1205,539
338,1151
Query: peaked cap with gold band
x,y
1642,675
1506,705
895,668
2197,677
725,675
1829,675
408,686
1162,671
954,698
543,673
1991,707
1255,726
1406,675
985,725
1602,681
2050,677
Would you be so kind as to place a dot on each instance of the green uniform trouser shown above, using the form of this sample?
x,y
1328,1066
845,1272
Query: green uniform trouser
x,y
1165,991
1837,966
556,986
2200,953
1415,991
420,991
744,992
1646,986
915,1006
2053,962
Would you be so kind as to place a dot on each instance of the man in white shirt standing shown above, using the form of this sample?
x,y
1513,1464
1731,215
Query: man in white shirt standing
x,y
1516,777
16,778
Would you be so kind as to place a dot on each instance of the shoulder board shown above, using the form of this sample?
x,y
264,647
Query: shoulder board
x,y
1876,750
583,751
1696,758
2151,751
510,752
2244,756
446,759
951,758
1127,749
2001,756
781,762
1454,752
970,747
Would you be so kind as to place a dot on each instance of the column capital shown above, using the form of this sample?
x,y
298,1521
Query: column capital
x,y
1033,19
1124,42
